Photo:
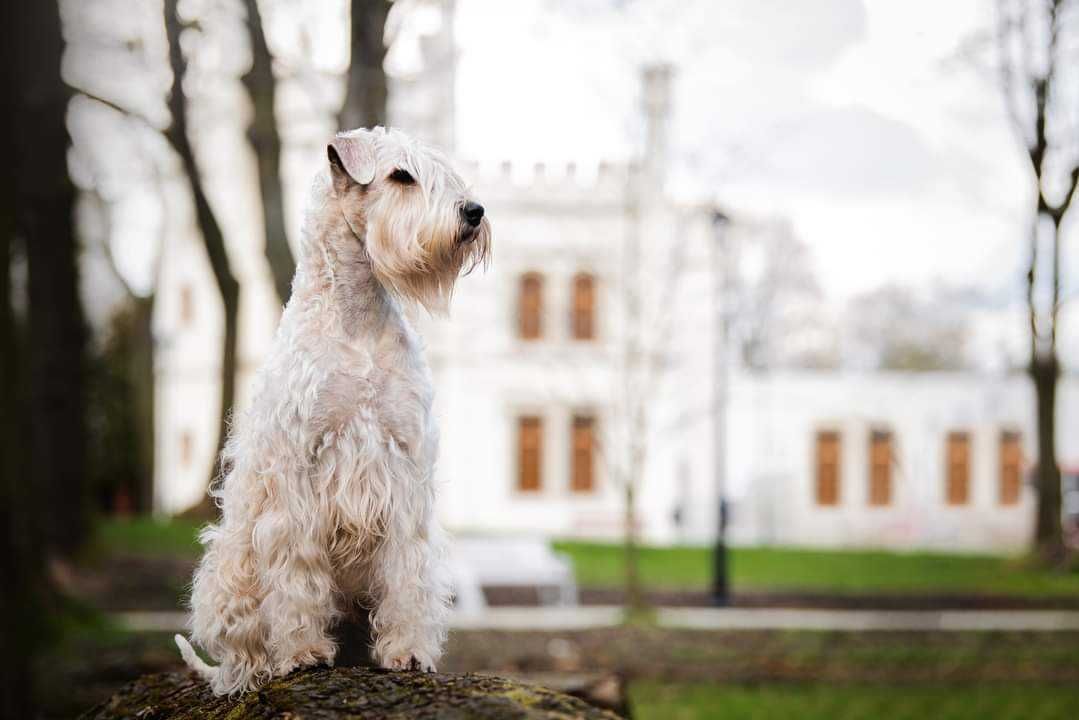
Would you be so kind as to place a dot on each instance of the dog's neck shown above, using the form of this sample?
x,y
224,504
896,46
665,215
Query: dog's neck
x,y
335,271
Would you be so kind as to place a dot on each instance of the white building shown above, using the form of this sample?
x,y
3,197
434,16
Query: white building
x,y
533,375
898,460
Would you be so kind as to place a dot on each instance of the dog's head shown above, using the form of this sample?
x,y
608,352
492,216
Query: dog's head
x,y
419,224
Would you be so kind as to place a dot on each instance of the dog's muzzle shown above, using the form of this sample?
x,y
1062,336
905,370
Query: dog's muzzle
x,y
472,215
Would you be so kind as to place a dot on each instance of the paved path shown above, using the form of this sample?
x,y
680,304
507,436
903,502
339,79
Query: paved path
x,y
581,618
867,620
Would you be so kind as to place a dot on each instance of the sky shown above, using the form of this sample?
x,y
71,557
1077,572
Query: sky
x,y
858,122
861,123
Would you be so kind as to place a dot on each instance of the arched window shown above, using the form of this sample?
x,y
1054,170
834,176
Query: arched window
x,y
828,467
583,320
530,307
529,453
1011,467
880,468
582,464
957,490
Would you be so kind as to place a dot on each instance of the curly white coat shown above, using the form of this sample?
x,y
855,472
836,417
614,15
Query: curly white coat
x,y
328,492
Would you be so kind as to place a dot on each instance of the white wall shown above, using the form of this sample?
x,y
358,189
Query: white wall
x,y
775,478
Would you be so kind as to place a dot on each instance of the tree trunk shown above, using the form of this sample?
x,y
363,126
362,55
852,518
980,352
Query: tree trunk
x,y
141,374
323,694
19,563
1048,533
266,141
212,237
1044,370
36,215
365,98
45,201
634,596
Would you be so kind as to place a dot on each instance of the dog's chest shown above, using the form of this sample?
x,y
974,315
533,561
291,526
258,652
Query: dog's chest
x,y
382,387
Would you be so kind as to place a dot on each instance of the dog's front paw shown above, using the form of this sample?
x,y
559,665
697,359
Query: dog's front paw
x,y
413,662
319,654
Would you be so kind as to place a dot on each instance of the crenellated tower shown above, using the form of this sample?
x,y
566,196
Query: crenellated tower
x,y
422,99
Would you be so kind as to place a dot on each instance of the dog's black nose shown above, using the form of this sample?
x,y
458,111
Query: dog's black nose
x,y
472,212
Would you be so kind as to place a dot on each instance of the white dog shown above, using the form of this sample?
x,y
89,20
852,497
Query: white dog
x,y
328,496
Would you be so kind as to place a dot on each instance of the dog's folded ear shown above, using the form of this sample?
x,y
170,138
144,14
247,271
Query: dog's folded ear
x,y
352,159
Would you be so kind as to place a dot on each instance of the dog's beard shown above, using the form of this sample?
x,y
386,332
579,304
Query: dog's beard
x,y
420,259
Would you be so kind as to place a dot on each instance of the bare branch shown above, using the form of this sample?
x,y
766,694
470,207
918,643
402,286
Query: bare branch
x,y
675,267
1005,27
1031,271
128,112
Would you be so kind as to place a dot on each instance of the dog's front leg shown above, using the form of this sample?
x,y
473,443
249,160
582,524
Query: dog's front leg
x,y
412,592
300,606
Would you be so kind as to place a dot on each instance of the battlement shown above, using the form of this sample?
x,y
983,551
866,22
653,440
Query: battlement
x,y
604,183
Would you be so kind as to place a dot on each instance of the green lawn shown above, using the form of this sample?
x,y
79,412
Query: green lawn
x,y
689,568
826,571
147,536
651,700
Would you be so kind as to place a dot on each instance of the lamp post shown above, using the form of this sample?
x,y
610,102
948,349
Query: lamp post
x,y
720,569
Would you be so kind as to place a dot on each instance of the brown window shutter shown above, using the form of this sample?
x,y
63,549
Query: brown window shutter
x,y
828,464
530,307
958,459
584,307
583,461
187,448
1011,467
529,453
880,468
187,306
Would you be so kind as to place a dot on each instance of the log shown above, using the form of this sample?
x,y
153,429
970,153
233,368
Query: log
x,y
335,693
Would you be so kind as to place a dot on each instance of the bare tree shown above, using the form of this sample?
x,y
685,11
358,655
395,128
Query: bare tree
x,y
774,297
19,562
56,336
1036,43
646,311
43,465
365,98
650,278
212,237
18,559
266,140
891,328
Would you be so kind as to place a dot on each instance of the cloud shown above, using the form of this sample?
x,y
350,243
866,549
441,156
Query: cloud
x,y
852,151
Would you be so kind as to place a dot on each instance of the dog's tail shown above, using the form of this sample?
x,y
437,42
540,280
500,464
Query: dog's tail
x,y
206,672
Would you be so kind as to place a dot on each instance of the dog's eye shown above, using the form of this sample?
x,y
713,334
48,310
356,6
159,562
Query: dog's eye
x,y
402,176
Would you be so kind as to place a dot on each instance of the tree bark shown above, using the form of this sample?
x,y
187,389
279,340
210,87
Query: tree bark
x,y
365,98
212,236
39,412
634,596
266,140
1044,371
141,373
18,560
1048,532
45,201
323,693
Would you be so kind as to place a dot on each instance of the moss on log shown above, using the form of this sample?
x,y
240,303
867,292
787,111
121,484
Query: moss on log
x,y
335,693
